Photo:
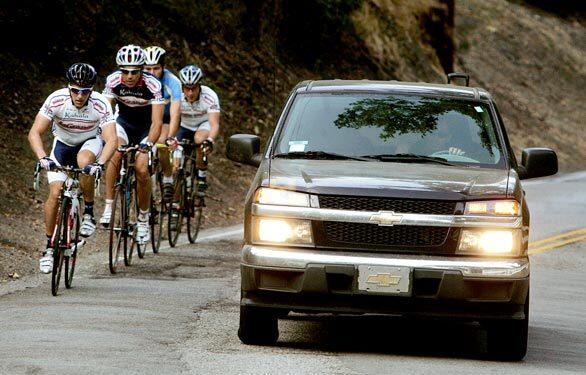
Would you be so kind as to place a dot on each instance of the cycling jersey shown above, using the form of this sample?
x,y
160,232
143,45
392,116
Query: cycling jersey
x,y
134,103
171,91
196,113
73,126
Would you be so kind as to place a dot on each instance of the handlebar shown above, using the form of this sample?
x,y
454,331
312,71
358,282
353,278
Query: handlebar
x,y
65,169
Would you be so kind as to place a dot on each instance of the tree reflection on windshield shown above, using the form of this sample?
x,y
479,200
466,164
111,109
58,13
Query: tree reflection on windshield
x,y
397,116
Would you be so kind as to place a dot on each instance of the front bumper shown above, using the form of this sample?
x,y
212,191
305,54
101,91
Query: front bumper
x,y
313,280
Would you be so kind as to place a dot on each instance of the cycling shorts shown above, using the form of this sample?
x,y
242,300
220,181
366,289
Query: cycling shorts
x,y
131,135
65,155
184,133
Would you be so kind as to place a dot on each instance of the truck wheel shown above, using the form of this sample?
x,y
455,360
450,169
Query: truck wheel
x,y
258,326
507,339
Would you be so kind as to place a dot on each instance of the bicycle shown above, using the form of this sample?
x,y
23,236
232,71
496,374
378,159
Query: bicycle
x,y
123,223
187,201
65,240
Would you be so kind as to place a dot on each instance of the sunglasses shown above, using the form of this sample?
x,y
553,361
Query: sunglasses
x,y
81,91
132,72
189,88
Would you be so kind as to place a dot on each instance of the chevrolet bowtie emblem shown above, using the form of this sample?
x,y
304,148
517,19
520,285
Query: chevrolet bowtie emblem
x,y
386,218
383,279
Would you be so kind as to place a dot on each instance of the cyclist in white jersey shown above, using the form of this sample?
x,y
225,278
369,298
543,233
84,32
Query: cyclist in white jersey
x,y
81,120
200,117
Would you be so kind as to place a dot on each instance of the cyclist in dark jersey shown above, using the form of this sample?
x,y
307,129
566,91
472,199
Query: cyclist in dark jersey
x,y
140,117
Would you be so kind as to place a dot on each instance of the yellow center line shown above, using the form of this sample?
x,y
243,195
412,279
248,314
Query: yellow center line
x,y
576,232
554,245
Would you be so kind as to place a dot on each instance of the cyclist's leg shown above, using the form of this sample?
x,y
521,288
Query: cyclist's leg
x,y
165,160
141,166
143,182
182,133
112,174
91,149
202,133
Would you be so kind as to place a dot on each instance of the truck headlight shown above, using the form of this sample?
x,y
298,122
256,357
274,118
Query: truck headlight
x,y
281,231
281,197
499,208
490,242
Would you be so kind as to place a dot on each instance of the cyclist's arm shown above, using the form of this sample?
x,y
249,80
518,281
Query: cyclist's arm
x,y
157,121
40,126
111,138
112,102
175,112
214,120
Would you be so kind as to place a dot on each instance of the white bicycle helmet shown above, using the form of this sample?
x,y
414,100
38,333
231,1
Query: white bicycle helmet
x,y
190,75
154,55
130,55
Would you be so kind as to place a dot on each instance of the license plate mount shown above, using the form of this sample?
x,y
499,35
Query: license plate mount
x,y
384,280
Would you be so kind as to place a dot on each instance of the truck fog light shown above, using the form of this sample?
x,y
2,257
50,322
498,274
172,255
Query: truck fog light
x,y
490,242
282,231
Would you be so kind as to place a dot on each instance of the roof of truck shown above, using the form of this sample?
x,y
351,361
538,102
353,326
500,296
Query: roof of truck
x,y
398,87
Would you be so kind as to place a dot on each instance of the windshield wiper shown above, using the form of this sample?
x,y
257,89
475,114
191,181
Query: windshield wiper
x,y
409,158
319,155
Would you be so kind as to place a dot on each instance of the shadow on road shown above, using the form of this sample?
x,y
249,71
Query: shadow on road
x,y
390,335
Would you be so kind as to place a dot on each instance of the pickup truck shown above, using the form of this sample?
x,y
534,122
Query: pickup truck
x,y
388,197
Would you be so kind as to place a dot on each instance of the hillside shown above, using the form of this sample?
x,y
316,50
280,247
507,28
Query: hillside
x,y
253,53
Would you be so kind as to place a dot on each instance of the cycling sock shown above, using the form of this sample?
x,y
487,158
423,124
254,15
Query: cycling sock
x,y
143,215
108,206
201,175
167,180
48,240
89,209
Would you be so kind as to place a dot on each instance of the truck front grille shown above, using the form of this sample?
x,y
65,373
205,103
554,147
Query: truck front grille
x,y
370,234
413,206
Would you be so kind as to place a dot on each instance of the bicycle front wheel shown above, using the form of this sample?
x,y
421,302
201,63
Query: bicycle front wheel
x,y
131,201
157,212
194,209
174,212
118,229
73,223
59,243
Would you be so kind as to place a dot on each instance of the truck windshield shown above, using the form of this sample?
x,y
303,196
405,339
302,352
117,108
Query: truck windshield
x,y
397,128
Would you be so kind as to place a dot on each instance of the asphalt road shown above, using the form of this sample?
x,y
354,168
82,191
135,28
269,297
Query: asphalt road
x,y
177,312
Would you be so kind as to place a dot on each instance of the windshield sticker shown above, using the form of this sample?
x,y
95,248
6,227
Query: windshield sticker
x,y
297,146
479,109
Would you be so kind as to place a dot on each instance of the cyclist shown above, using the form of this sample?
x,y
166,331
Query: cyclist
x,y
200,117
155,64
81,119
140,117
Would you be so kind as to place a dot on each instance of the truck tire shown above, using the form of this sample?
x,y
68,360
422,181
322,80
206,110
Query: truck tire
x,y
507,339
258,326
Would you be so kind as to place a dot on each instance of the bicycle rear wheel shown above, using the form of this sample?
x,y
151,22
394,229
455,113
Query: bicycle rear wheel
x,y
70,260
194,208
174,212
118,229
59,241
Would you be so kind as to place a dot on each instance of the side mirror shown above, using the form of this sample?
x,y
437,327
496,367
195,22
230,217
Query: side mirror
x,y
538,162
245,149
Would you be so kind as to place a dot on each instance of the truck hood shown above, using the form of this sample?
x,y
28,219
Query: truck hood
x,y
388,179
